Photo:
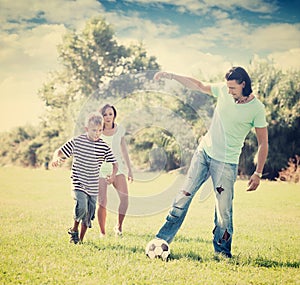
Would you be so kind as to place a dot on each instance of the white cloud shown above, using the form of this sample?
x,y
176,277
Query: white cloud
x,y
42,41
21,13
29,51
181,54
200,7
250,5
287,60
176,53
25,60
19,102
275,37
191,52
134,28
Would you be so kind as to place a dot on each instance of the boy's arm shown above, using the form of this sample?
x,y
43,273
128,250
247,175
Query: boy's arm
x,y
58,158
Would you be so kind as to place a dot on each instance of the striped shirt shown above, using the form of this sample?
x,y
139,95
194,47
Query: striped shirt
x,y
88,157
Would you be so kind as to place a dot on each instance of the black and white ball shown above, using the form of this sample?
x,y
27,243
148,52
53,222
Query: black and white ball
x,y
158,248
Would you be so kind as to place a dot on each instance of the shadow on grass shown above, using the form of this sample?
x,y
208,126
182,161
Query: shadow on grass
x,y
189,240
116,247
238,261
259,261
190,256
125,245
264,262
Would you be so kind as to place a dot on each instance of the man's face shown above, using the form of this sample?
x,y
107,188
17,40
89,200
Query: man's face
x,y
94,131
235,89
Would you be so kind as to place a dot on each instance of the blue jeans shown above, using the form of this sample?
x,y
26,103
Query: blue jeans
x,y
223,177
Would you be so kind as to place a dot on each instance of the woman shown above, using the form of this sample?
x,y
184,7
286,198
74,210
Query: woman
x,y
113,135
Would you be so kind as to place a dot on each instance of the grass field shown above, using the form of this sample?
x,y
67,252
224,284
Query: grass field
x,y
36,211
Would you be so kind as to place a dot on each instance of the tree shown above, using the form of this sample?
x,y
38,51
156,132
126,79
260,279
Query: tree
x,y
280,92
90,59
18,145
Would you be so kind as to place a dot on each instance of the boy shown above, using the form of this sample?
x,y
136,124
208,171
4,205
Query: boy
x,y
89,152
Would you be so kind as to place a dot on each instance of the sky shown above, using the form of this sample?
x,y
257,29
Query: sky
x,y
191,37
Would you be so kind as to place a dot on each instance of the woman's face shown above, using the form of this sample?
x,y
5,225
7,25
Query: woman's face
x,y
109,116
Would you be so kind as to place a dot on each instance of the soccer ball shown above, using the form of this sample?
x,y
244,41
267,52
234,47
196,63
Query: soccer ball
x,y
158,248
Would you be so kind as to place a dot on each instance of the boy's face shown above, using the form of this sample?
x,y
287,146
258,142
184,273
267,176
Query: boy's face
x,y
94,131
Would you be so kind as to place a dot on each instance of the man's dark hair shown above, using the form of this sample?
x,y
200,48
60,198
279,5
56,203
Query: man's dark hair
x,y
240,75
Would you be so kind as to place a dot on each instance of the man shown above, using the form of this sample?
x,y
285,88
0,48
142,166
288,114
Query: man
x,y
236,113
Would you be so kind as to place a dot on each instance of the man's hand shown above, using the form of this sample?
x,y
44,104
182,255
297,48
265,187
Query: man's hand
x,y
253,182
162,74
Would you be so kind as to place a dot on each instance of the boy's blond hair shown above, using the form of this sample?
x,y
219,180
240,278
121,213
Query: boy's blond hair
x,y
94,118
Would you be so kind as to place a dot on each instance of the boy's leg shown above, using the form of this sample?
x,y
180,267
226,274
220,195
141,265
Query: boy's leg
x,y
80,213
73,232
196,176
102,202
82,231
90,215
75,226
224,177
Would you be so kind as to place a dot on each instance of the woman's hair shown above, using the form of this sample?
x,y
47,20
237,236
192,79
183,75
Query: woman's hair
x,y
103,110
240,75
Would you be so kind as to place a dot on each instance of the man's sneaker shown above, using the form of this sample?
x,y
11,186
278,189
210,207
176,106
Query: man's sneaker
x,y
74,236
118,233
222,255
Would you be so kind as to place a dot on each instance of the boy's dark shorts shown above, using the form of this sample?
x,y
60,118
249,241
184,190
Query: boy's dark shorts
x,y
84,208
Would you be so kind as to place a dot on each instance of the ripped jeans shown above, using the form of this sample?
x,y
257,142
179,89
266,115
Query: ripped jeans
x,y
223,177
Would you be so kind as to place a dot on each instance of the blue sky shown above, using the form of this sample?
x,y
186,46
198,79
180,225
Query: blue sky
x,y
193,37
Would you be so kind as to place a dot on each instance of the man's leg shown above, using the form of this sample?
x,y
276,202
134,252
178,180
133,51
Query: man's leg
x,y
224,177
196,176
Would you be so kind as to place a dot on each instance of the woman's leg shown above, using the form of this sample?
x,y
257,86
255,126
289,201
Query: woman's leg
x,y
102,201
120,185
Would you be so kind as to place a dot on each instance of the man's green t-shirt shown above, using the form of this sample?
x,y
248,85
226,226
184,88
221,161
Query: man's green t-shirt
x,y
230,125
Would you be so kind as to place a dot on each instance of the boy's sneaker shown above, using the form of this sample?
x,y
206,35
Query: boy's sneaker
x,y
118,233
74,236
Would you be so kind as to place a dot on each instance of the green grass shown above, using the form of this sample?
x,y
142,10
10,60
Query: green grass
x,y
36,210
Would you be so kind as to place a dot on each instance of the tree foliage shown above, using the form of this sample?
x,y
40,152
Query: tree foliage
x,y
280,93
89,59
19,146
